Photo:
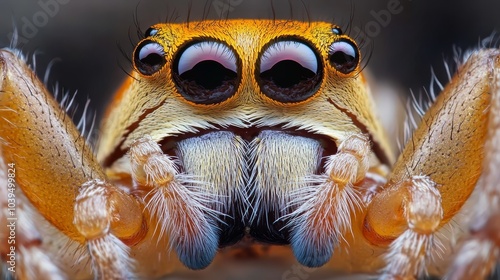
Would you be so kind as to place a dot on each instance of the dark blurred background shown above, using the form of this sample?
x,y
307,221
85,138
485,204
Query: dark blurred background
x,y
85,36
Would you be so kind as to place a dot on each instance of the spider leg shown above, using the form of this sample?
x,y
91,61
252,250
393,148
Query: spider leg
x,y
325,207
22,249
93,217
422,214
178,204
59,174
479,254
436,173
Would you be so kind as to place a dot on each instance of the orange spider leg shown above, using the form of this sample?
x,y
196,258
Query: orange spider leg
x,y
480,252
436,173
46,148
21,242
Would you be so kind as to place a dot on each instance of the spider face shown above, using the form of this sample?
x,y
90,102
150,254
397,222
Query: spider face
x,y
249,110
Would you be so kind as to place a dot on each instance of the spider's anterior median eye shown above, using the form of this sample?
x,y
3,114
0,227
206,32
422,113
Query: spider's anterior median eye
x,y
344,56
290,71
149,57
206,72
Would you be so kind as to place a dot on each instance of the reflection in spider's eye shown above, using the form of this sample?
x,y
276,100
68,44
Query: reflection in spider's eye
x,y
344,56
290,71
206,72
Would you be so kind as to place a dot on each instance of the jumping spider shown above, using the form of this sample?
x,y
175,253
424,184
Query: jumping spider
x,y
253,140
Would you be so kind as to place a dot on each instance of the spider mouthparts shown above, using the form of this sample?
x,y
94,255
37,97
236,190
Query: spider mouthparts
x,y
310,251
200,252
183,219
253,186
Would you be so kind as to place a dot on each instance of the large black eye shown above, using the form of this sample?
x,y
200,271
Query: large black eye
x,y
149,57
206,72
289,71
344,56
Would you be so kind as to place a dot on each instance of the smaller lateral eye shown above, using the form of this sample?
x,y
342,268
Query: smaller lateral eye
x,y
149,57
337,31
150,32
343,56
